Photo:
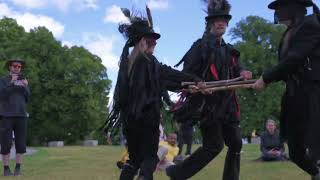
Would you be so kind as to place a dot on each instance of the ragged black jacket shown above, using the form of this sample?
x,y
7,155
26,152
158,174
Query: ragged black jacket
x,y
145,84
213,63
299,68
301,58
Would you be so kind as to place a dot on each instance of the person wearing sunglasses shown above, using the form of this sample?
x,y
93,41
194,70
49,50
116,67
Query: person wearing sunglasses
x,y
14,95
137,98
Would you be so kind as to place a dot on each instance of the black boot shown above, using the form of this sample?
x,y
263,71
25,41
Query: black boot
x,y
7,171
316,177
128,172
170,173
17,170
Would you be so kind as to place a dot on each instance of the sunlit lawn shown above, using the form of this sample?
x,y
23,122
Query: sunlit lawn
x,y
98,163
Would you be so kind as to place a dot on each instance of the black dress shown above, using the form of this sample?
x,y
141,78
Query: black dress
x,y
299,68
140,110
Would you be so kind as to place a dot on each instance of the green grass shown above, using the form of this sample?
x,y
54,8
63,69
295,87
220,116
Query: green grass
x,y
98,163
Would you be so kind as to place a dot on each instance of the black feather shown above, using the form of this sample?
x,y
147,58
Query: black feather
x,y
126,12
214,5
149,16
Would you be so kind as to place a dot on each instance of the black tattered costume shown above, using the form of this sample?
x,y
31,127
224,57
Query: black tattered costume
x,y
299,68
137,102
219,113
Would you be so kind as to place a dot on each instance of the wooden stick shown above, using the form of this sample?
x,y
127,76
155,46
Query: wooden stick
x,y
213,82
233,83
232,87
221,88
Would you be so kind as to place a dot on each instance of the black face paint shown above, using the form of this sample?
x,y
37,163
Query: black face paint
x,y
276,18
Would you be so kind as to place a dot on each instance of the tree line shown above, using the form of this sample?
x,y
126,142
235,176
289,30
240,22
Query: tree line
x,y
70,86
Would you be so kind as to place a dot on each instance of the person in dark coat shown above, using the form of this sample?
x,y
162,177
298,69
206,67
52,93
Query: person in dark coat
x,y
299,68
138,92
185,137
212,59
14,95
271,147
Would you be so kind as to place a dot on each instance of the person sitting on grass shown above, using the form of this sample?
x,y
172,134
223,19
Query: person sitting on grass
x,y
271,147
124,158
167,152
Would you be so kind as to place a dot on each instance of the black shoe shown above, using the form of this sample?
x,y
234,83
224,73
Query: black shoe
x,y
7,172
169,172
17,172
120,164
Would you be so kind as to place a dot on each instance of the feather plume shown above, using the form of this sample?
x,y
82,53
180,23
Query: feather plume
x,y
214,5
150,21
126,12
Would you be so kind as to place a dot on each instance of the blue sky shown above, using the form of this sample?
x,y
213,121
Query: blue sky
x,y
93,23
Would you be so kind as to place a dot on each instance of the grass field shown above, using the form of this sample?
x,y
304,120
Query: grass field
x,y
98,163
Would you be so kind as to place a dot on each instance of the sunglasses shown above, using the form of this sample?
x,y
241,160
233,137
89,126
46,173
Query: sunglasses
x,y
17,66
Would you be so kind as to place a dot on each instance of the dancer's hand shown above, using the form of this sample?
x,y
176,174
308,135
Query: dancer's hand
x,y
193,89
247,75
201,85
259,84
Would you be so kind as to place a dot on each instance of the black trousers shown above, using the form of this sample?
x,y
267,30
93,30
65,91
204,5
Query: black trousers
x,y
185,137
300,120
17,125
214,135
143,142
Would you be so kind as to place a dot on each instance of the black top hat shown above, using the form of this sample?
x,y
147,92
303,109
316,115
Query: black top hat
x,y
276,3
218,8
139,27
9,62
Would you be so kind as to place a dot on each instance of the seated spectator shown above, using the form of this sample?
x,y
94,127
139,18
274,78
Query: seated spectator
x,y
271,147
167,152
124,158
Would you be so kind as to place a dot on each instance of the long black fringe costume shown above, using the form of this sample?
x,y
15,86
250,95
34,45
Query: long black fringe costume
x,y
137,98
219,113
299,68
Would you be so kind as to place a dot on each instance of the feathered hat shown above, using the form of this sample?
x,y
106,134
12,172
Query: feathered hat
x,y
218,8
137,27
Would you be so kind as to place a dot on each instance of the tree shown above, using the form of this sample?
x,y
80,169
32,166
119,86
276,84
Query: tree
x,y
258,41
69,86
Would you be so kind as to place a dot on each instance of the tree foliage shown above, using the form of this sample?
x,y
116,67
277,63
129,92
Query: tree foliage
x,y
69,86
258,41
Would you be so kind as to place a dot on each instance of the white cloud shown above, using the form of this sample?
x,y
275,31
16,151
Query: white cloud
x,y
158,4
30,21
91,4
115,15
80,5
30,3
63,5
102,46
157,29
67,43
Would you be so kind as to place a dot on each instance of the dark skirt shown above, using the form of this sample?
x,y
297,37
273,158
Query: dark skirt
x,y
300,115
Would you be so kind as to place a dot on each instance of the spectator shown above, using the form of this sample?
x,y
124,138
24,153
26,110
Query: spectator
x,y
185,137
14,94
167,152
124,158
271,147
